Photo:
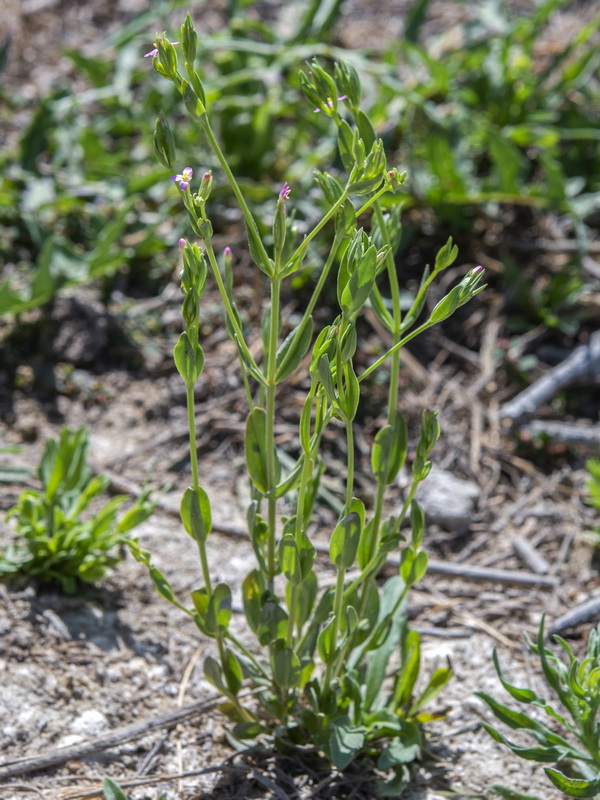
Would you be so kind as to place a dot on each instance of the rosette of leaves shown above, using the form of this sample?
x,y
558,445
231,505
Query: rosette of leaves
x,y
574,752
56,542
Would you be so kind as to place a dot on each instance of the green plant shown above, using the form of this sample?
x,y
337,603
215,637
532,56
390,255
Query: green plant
x,y
318,672
593,483
112,791
576,685
65,196
55,542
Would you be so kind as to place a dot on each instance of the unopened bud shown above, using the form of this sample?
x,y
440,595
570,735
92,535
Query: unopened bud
x,y
164,143
189,39
167,56
206,186
279,223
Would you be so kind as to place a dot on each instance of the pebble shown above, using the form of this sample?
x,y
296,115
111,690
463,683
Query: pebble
x,y
89,723
447,500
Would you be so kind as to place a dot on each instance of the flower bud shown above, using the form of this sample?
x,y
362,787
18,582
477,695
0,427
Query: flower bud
x,y
279,223
348,82
190,309
205,186
164,143
167,56
189,39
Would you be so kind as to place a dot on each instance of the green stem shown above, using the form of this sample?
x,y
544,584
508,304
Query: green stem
x,y
246,715
337,614
241,342
350,476
323,276
250,221
378,560
372,200
189,392
318,227
396,311
399,345
270,427
189,395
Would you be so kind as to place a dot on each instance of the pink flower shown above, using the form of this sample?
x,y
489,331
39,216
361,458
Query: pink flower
x,y
155,51
285,191
330,103
184,178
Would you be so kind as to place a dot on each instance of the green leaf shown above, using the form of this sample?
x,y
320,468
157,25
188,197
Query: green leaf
x,y
289,558
214,674
365,128
326,645
344,541
574,787
510,794
517,720
287,669
389,450
409,670
196,514
253,588
345,740
248,730
540,754
402,750
189,358
358,288
218,612
112,791
413,565
293,349
438,681
345,145
232,671
256,455
273,622
522,695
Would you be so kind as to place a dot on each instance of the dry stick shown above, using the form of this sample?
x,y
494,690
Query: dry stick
x,y
130,783
582,364
572,433
581,613
532,557
75,752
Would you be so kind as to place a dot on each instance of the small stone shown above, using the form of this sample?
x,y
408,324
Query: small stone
x,y
89,723
447,500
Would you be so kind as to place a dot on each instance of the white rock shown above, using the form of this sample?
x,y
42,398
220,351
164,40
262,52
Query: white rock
x,y
447,500
89,723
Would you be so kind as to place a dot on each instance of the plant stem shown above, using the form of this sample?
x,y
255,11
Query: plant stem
x,y
310,236
240,341
270,427
382,359
250,221
189,391
189,394
397,314
350,461
337,614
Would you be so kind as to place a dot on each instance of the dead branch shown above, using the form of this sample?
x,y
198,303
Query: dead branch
x,y
582,613
54,758
571,433
582,365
